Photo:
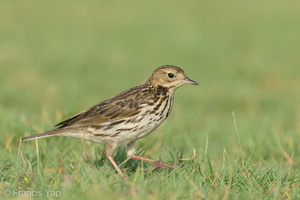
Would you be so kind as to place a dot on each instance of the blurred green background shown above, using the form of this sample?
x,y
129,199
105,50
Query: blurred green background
x,y
60,57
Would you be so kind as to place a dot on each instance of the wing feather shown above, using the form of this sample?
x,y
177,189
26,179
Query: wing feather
x,y
113,109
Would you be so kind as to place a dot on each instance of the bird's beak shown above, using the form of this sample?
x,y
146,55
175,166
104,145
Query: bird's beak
x,y
189,81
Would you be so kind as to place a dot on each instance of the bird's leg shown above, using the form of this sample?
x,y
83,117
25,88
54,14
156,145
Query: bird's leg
x,y
108,152
130,151
130,155
155,162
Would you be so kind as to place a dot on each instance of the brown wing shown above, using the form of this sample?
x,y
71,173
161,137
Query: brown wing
x,y
121,106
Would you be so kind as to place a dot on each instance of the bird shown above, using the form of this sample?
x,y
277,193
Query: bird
x,y
126,117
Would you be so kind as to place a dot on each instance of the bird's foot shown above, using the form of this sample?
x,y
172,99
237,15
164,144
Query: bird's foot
x,y
155,162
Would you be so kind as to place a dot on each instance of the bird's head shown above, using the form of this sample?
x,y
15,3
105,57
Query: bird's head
x,y
169,76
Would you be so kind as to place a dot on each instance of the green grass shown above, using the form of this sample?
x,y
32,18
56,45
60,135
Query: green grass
x,y
58,58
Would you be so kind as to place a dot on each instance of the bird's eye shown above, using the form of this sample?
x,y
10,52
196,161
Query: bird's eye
x,y
170,75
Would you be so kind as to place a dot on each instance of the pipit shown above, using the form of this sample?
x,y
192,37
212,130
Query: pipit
x,y
126,117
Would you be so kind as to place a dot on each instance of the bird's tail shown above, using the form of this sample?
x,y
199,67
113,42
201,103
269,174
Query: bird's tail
x,y
40,135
